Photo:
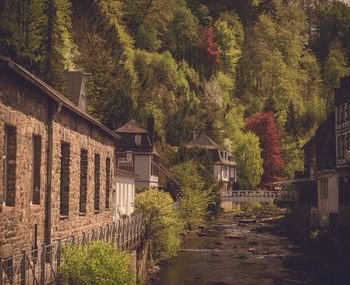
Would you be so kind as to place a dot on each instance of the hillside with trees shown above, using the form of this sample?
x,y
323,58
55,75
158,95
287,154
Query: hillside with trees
x,y
255,75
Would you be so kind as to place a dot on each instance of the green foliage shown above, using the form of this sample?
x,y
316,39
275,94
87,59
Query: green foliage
x,y
96,263
188,176
254,206
161,221
193,207
230,36
195,196
334,68
147,57
246,149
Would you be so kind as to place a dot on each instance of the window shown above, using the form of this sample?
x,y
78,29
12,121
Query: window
x,y
108,181
83,180
138,139
125,161
97,183
154,165
338,147
36,169
344,191
10,165
323,188
64,179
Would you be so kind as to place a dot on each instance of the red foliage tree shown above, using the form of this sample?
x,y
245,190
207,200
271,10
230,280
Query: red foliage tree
x,y
265,127
210,47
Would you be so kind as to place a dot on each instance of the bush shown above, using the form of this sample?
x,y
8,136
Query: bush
x,y
254,206
161,220
193,207
96,263
196,194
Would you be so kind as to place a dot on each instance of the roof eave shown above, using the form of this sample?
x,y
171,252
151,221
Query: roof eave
x,y
55,95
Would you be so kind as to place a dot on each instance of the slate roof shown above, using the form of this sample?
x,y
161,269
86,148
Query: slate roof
x,y
131,127
203,141
72,85
54,94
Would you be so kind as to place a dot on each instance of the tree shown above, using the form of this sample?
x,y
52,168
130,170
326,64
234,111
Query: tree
x,y
182,36
292,125
334,68
107,51
37,35
332,24
229,36
149,18
58,48
194,197
264,126
245,148
209,49
161,222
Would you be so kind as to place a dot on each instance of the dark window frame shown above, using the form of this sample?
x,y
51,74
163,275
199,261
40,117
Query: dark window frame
x,y
64,182
97,182
84,165
10,165
36,171
108,182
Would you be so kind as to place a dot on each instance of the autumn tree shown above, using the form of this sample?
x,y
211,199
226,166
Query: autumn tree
x,y
264,126
209,49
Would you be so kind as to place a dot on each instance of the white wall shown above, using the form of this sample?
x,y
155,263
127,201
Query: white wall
x,y
330,204
217,172
142,167
143,171
123,196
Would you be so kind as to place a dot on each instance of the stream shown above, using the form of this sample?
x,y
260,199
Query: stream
x,y
241,252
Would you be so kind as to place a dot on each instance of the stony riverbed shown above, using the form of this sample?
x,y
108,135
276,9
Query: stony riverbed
x,y
239,250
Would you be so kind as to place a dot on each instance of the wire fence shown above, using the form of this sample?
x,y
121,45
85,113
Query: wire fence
x,y
40,266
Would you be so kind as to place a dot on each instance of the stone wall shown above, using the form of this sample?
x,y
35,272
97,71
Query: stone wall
x,y
71,129
25,107
27,111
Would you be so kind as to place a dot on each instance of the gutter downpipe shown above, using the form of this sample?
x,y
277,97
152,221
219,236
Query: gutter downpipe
x,y
53,112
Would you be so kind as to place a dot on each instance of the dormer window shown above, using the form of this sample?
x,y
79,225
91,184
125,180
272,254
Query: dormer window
x,y
138,139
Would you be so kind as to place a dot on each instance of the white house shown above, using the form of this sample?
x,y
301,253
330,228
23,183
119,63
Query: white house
x,y
136,153
224,167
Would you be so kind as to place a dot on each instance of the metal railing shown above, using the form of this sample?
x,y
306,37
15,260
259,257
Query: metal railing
x,y
260,195
40,266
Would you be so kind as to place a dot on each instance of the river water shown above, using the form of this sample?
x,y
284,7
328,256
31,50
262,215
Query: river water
x,y
260,255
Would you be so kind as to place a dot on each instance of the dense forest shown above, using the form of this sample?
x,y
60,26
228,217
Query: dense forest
x,y
255,75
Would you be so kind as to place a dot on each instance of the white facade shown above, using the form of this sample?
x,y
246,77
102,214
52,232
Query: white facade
x,y
327,187
224,173
143,170
123,194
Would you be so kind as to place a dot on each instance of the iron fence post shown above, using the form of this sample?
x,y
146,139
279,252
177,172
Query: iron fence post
x,y
23,268
1,272
43,264
58,261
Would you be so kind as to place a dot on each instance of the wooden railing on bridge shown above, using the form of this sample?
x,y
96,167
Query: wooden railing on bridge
x,y
40,266
257,195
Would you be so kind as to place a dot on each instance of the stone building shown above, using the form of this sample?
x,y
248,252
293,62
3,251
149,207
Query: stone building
x,y
57,167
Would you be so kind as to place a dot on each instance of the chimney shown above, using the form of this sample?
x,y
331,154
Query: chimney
x,y
74,86
150,128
